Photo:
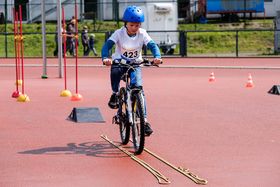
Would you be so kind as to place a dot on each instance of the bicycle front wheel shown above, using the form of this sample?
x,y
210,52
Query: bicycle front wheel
x,y
138,123
124,126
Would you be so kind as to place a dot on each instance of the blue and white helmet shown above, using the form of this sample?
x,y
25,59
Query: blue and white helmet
x,y
133,14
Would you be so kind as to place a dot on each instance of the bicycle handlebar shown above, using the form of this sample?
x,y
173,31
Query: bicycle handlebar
x,y
145,62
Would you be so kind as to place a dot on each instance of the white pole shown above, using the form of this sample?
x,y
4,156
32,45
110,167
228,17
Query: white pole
x,y
43,15
59,39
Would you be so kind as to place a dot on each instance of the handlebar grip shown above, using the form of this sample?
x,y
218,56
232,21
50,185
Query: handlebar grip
x,y
146,61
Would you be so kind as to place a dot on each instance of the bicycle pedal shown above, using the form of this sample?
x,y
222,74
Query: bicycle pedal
x,y
116,120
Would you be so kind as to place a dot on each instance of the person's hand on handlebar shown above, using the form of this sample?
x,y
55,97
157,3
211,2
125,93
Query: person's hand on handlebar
x,y
107,61
157,61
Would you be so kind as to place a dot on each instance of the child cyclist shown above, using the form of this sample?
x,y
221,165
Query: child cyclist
x,y
129,41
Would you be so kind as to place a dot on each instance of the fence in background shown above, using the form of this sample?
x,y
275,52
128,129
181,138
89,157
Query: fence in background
x,y
208,43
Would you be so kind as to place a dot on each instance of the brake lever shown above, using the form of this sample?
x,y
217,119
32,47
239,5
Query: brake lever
x,y
147,64
156,64
150,63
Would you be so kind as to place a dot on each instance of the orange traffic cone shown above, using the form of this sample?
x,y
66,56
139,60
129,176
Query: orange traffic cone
x,y
211,77
250,83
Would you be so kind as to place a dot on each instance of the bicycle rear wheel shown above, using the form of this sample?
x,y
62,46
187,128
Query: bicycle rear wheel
x,y
124,126
138,124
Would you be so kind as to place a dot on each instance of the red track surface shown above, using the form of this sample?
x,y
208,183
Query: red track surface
x,y
221,131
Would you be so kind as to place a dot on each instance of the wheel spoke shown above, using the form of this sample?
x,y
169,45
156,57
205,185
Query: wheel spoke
x,y
124,127
138,123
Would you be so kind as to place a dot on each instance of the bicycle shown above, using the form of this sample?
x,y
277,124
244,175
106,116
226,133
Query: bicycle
x,y
131,106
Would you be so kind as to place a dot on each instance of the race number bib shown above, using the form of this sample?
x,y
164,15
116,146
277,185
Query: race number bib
x,y
131,54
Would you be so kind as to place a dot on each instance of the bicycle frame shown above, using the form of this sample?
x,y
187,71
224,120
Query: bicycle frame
x,y
130,91
125,77
131,112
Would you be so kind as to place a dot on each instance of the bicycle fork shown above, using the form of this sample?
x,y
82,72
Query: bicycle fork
x,y
129,106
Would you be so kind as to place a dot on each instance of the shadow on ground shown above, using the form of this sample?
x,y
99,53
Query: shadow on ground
x,y
96,149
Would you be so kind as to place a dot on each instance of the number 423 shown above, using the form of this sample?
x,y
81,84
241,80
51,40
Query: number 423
x,y
130,54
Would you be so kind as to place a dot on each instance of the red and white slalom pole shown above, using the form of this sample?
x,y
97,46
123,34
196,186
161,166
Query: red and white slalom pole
x,y
76,96
22,97
65,92
18,81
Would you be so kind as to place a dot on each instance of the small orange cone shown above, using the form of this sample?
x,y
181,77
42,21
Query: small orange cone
x,y
76,97
211,77
250,83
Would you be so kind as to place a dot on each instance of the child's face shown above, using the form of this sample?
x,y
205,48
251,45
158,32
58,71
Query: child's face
x,y
132,27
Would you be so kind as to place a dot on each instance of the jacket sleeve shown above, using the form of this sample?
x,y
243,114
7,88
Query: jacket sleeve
x,y
106,48
154,49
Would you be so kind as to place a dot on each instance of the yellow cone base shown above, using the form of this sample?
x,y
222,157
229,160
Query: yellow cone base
x,y
65,93
18,82
76,97
23,98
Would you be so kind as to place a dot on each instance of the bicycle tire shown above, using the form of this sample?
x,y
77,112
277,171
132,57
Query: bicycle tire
x,y
124,126
138,123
